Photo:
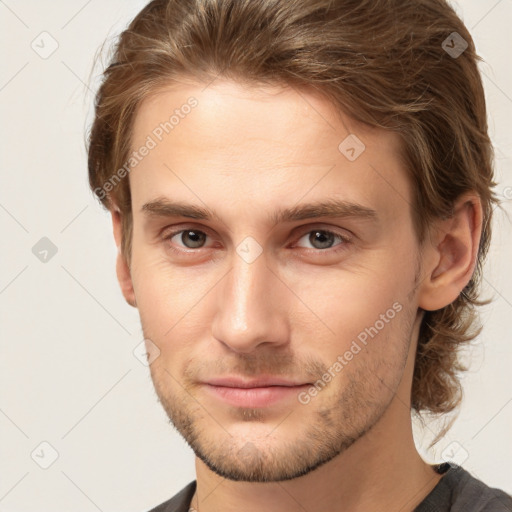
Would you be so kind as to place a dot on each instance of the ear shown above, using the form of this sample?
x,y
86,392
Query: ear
x,y
122,269
450,254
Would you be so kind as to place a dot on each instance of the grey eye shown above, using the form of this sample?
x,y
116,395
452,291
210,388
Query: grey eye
x,y
191,238
321,238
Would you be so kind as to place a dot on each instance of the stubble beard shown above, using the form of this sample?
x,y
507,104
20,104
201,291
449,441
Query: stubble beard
x,y
297,443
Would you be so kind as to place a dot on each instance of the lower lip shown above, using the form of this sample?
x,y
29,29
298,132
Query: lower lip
x,y
255,397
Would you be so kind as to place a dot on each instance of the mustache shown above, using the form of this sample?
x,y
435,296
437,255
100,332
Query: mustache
x,y
287,366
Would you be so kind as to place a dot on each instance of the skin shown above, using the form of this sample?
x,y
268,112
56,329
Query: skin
x,y
245,153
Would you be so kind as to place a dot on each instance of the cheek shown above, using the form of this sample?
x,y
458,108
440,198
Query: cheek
x,y
173,303
361,304
157,291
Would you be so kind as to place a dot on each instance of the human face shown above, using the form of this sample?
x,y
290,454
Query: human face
x,y
325,303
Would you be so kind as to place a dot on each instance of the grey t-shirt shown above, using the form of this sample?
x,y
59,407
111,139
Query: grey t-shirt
x,y
457,491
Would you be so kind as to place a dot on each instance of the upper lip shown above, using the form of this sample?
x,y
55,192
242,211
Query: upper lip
x,y
260,382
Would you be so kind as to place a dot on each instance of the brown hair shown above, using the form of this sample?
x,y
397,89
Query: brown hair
x,y
386,63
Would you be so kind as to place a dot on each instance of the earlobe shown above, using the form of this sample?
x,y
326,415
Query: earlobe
x,y
122,269
452,254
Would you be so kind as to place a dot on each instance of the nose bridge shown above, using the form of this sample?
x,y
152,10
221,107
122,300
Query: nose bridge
x,y
249,311
249,280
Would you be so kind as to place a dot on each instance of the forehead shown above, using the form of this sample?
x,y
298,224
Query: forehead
x,y
269,144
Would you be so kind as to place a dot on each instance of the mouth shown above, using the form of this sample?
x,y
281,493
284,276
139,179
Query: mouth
x,y
261,392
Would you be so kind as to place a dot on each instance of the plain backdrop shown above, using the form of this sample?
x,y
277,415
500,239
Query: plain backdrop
x,y
73,396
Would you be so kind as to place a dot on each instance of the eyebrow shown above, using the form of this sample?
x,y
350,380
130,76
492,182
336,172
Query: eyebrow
x,y
162,207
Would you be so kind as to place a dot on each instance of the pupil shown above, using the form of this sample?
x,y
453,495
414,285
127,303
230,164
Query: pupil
x,y
320,234
196,243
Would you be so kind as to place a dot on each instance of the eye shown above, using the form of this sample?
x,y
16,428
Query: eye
x,y
320,240
191,238
323,239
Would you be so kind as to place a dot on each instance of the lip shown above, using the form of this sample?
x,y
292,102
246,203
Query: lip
x,y
260,392
260,382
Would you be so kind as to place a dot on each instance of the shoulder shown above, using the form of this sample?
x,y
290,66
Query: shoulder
x,y
460,491
180,502
471,494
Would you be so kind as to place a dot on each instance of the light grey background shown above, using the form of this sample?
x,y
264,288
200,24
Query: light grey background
x,y
68,373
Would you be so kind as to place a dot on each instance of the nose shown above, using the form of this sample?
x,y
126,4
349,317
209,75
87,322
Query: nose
x,y
251,307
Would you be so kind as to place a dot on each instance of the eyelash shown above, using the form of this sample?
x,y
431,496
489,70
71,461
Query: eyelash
x,y
329,251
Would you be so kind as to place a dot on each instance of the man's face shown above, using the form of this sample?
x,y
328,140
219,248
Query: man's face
x,y
325,303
